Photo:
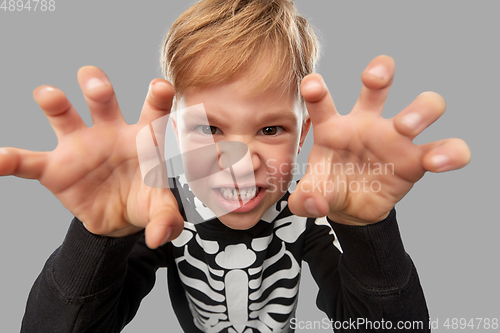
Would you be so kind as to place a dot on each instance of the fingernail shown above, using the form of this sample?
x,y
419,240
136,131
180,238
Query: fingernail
x,y
412,120
157,83
311,207
161,83
94,82
150,89
378,71
440,161
314,86
167,237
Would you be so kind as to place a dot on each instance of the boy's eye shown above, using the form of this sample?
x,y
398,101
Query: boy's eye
x,y
209,130
271,130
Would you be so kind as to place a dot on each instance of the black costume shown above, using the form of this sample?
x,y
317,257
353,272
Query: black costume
x,y
225,280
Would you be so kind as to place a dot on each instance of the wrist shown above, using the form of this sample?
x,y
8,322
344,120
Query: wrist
x,y
124,231
342,218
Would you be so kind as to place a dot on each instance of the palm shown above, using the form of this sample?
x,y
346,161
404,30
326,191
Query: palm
x,y
94,181
95,172
363,164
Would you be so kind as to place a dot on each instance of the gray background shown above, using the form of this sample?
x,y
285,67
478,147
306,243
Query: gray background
x,y
448,222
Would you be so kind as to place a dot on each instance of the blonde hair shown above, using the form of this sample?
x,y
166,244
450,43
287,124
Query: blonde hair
x,y
216,41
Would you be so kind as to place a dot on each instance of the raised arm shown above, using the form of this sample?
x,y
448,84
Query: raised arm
x,y
359,167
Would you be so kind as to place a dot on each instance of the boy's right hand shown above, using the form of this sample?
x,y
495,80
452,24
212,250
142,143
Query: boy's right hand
x,y
94,171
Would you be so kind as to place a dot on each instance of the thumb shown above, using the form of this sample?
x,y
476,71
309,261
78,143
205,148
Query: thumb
x,y
303,203
166,224
309,197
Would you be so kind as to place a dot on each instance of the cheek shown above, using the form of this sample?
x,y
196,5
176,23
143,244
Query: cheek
x,y
280,165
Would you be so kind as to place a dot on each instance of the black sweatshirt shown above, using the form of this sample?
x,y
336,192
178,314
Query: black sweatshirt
x,y
225,280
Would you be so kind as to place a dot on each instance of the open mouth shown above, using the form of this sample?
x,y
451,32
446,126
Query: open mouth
x,y
244,194
238,200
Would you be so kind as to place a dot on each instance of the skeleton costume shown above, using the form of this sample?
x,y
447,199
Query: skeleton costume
x,y
226,280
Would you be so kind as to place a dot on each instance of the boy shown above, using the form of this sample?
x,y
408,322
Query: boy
x,y
86,281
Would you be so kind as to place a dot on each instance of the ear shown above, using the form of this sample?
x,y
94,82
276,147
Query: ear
x,y
306,124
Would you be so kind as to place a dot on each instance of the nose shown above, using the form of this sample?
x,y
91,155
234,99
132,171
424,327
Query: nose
x,y
238,157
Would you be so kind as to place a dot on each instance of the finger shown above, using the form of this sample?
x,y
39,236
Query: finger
x,y
318,100
99,94
377,80
166,224
61,114
22,163
420,114
445,155
158,101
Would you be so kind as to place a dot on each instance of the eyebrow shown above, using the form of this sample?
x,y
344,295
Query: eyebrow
x,y
280,114
194,116
270,117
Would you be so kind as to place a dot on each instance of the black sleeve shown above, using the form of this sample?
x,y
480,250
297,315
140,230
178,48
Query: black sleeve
x,y
371,283
92,283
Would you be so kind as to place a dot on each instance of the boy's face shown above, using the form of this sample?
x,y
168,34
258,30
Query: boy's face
x,y
270,124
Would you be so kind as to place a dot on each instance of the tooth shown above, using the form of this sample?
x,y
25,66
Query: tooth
x,y
247,193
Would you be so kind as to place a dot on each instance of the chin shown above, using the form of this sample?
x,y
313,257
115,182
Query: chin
x,y
238,222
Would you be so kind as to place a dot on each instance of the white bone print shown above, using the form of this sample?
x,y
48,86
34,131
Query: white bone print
x,y
239,294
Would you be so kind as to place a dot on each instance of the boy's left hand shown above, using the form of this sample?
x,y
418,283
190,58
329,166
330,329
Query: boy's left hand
x,y
361,164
